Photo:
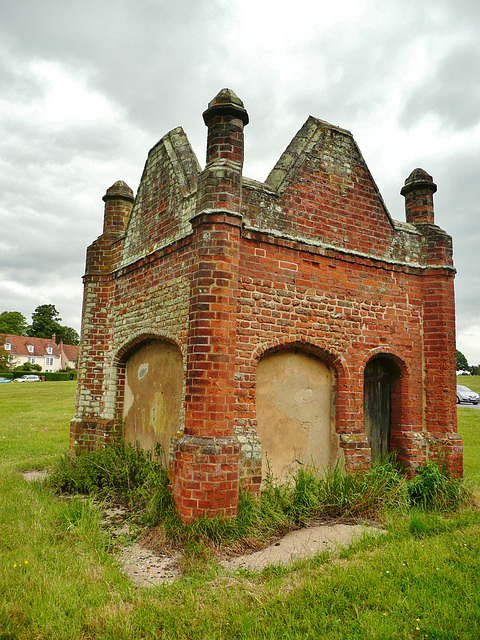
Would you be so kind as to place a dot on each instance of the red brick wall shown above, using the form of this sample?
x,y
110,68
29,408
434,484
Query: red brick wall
x,y
287,298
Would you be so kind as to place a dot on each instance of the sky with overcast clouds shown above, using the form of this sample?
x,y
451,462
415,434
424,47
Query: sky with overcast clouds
x,y
88,87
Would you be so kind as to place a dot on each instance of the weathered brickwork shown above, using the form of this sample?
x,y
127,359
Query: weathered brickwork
x,y
230,270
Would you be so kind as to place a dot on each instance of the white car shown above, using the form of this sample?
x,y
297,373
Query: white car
x,y
27,379
464,394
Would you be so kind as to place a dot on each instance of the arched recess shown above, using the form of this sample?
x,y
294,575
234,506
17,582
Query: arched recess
x,y
382,403
153,393
295,412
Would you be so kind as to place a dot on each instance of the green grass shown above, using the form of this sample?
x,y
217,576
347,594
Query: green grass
x,y
59,579
34,422
472,382
469,429
137,479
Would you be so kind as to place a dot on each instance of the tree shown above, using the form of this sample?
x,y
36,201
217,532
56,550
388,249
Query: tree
x,y
45,322
13,322
462,363
28,366
4,362
4,356
68,335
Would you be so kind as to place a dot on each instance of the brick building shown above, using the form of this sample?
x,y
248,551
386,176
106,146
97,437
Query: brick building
x,y
241,323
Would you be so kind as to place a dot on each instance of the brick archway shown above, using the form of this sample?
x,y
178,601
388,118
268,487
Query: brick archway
x,y
150,391
324,353
295,409
385,403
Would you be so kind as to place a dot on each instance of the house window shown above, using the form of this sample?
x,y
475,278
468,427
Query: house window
x,y
49,350
11,358
30,348
49,362
31,359
8,346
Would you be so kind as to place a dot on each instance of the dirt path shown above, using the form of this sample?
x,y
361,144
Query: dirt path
x,y
146,568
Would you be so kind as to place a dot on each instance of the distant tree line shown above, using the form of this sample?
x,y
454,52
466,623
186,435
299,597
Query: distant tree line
x,y
45,323
462,365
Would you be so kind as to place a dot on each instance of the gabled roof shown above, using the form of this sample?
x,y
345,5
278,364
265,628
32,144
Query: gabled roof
x,y
70,351
164,204
314,137
20,344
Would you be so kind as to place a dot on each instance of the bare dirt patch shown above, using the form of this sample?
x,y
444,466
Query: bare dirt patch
x,y
147,567
30,476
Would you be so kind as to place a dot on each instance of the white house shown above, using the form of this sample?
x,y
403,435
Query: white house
x,y
43,351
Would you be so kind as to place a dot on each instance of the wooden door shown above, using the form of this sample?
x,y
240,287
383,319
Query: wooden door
x,y
377,407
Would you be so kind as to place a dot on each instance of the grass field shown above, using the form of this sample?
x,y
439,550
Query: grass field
x,y
59,579
34,422
469,429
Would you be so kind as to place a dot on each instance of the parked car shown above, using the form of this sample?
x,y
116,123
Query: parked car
x,y
27,379
464,394
4,380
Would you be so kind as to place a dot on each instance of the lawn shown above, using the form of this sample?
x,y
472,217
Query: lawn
x,y
472,382
469,429
59,578
34,422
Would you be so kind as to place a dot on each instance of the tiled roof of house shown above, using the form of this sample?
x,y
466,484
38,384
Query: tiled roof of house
x,y
71,352
20,344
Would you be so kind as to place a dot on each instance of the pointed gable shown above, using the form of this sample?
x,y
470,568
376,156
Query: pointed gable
x,y
324,193
163,205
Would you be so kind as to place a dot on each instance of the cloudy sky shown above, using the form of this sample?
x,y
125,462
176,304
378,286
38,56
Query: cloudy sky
x,y
87,87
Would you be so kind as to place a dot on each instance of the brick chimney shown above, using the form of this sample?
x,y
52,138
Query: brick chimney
x,y
418,192
207,457
118,205
220,184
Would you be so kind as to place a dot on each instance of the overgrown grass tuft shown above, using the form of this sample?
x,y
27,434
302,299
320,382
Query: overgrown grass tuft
x,y
122,471
431,488
364,494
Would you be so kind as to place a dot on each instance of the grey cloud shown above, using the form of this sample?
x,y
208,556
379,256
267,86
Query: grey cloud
x,y
159,63
461,13
451,93
67,300
146,55
456,210
16,82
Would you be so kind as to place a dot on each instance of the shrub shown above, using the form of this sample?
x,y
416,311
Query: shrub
x,y
28,367
50,376
55,376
